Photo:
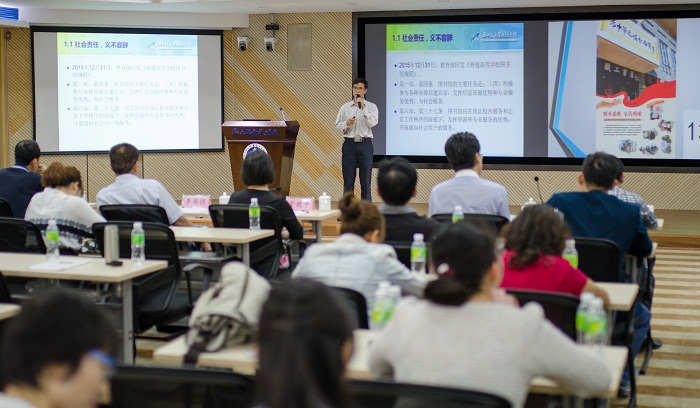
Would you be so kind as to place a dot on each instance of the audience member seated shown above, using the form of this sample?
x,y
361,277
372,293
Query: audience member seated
x,y
593,213
357,260
305,343
128,188
467,188
532,260
56,353
257,173
468,334
633,198
396,180
62,201
20,182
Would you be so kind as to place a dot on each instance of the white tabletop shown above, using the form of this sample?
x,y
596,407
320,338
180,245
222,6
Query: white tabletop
x,y
244,359
15,264
621,295
220,235
8,310
318,215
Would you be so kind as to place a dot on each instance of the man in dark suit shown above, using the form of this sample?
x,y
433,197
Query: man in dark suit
x,y
593,213
397,181
20,182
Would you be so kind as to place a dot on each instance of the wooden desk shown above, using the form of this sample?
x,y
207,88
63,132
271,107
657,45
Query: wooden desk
x,y
95,270
8,310
240,237
316,218
244,360
622,295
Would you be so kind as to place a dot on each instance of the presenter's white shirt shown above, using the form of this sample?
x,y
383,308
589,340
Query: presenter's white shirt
x,y
365,119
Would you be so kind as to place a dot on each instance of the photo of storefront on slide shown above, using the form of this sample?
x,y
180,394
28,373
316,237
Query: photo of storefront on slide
x,y
636,88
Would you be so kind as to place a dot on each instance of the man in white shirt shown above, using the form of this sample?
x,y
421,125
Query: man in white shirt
x,y
129,188
467,188
355,120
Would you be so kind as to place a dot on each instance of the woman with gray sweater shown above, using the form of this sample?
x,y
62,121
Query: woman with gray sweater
x,y
467,333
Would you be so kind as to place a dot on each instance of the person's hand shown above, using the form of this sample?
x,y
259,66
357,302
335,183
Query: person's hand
x,y
206,247
500,296
360,101
350,121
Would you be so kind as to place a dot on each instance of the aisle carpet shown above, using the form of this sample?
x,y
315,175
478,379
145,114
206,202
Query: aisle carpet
x,y
673,377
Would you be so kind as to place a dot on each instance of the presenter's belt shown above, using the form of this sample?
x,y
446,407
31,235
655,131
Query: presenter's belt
x,y
358,139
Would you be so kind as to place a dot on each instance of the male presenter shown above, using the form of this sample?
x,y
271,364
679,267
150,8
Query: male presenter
x,y
356,120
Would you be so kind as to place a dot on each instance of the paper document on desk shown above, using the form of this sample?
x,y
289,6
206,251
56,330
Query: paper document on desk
x,y
300,212
58,265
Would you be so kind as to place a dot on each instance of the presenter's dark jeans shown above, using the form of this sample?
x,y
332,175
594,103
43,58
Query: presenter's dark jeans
x,y
358,155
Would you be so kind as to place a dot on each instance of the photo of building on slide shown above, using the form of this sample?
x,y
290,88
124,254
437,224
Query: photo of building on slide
x,y
636,88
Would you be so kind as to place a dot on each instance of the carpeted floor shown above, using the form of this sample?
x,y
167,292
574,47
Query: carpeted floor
x,y
673,377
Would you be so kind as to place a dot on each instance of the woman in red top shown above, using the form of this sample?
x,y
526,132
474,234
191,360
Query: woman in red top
x,y
532,260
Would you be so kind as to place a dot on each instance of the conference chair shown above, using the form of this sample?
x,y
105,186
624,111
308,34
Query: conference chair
x,y
135,212
145,387
403,251
356,305
265,254
20,236
493,220
559,308
599,259
5,209
157,301
383,394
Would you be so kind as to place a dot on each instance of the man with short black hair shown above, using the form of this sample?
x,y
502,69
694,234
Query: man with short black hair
x,y
467,189
355,121
593,213
396,180
57,352
19,183
633,198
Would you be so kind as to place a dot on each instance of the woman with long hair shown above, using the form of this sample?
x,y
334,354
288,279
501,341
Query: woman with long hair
x,y
532,260
357,259
305,343
468,334
62,200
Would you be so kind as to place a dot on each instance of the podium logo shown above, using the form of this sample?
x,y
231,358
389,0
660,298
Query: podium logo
x,y
251,147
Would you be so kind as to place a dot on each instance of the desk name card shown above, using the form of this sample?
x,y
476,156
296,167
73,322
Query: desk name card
x,y
301,203
196,201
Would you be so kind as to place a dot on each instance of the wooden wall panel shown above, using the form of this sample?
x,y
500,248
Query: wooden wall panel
x,y
257,83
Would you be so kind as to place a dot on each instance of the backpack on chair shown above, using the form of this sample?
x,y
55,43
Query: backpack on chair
x,y
227,314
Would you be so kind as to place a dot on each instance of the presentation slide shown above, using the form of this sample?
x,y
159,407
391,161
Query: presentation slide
x,y
156,91
536,90
444,78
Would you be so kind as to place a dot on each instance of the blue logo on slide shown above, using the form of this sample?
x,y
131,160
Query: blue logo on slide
x,y
476,37
152,46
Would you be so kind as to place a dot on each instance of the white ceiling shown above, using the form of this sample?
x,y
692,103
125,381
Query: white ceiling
x,y
304,6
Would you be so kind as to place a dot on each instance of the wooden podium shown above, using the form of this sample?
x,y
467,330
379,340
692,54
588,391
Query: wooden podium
x,y
277,137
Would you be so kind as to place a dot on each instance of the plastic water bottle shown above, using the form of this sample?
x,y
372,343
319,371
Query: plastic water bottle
x,y
52,251
254,214
582,315
382,304
570,253
138,244
597,325
458,215
324,202
224,197
419,254
530,201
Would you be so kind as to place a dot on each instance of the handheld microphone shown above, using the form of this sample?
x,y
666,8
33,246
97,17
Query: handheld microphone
x,y
359,104
539,193
284,117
